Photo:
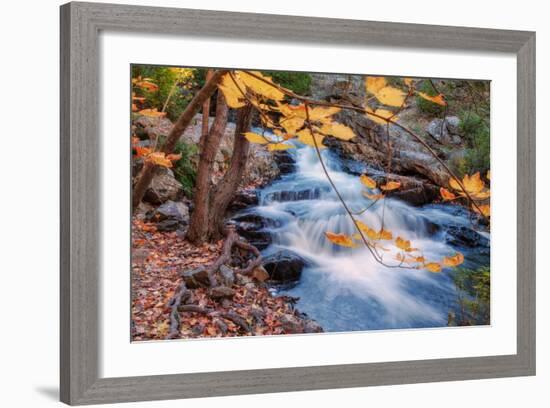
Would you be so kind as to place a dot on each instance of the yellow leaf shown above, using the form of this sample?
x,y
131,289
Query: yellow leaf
x,y
279,146
367,181
383,115
159,159
452,261
292,110
391,185
373,196
233,96
291,124
488,175
153,113
420,259
337,130
473,184
438,99
433,267
255,138
484,209
446,194
374,84
385,234
340,239
390,96
321,112
408,81
260,87
403,244
482,195
306,138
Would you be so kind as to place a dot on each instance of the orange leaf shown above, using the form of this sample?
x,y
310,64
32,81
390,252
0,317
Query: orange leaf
x,y
173,157
373,196
438,99
367,181
446,194
433,267
484,209
142,151
340,239
452,261
391,185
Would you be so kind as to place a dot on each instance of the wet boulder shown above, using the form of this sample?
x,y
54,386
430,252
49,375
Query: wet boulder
x,y
462,236
284,161
284,266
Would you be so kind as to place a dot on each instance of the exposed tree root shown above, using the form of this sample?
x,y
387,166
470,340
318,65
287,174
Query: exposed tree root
x,y
183,293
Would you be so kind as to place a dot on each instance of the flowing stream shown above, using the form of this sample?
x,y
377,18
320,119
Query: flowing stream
x,y
346,289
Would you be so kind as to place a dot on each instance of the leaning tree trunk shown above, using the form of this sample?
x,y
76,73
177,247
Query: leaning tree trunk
x,y
227,186
210,143
147,172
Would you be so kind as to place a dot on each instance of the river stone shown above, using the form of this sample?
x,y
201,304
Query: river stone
x,y
290,324
284,161
196,278
222,292
284,266
445,132
163,187
172,210
311,326
459,235
227,274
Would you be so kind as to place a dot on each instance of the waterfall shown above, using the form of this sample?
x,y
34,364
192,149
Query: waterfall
x,y
347,289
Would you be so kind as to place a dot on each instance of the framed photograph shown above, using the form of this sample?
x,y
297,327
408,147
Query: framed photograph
x,y
261,203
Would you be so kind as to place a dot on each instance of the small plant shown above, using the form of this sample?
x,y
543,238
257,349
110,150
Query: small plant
x,y
185,169
477,136
474,296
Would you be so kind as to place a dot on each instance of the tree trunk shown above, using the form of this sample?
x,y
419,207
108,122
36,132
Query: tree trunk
x,y
198,226
227,186
147,172
205,114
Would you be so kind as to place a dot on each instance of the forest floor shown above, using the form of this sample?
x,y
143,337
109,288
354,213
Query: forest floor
x,y
158,260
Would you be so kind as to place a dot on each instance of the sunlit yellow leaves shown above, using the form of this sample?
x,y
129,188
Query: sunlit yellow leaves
x,y
375,84
159,158
438,99
367,181
391,185
233,95
391,96
263,86
371,196
341,239
404,244
292,124
255,138
484,209
337,130
473,186
372,234
433,267
279,146
321,112
446,194
453,261
408,82
385,234
380,116
153,113
315,140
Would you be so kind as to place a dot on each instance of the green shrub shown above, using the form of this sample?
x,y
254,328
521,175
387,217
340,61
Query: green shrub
x,y
476,133
424,105
164,78
185,169
299,82
474,296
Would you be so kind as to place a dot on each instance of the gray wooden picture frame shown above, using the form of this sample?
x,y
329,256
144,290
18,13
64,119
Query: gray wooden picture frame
x,y
81,24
